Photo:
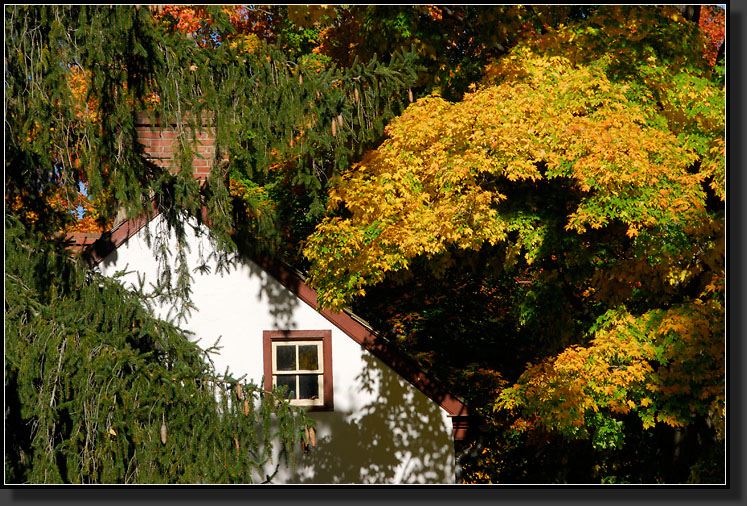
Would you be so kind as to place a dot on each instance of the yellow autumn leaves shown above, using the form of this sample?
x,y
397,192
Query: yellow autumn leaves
x,y
439,179
616,372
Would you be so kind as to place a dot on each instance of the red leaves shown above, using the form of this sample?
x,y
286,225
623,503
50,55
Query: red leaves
x,y
712,22
196,21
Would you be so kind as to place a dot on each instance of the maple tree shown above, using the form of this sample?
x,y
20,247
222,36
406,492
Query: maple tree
x,y
588,164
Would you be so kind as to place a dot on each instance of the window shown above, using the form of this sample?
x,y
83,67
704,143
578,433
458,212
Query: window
x,y
301,361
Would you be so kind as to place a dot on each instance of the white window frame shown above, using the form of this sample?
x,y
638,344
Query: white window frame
x,y
297,372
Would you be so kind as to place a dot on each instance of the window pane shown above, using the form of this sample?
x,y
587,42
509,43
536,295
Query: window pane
x,y
289,381
308,357
286,357
309,386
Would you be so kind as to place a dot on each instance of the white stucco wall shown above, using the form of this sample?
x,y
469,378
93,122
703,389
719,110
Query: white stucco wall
x,y
382,429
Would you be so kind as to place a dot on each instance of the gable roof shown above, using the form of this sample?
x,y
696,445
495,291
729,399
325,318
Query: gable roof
x,y
95,247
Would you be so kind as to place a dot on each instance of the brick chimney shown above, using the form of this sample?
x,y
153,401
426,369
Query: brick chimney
x,y
160,148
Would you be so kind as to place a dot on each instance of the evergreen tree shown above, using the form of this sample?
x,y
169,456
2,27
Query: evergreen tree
x,y
96,389
77,77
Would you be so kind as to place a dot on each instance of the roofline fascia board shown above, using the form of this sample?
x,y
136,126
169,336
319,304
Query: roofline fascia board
x,y
353,328
349,324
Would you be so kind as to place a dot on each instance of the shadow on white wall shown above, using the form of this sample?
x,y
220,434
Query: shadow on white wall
x,y
397,438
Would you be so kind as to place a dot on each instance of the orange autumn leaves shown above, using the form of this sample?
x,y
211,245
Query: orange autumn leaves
x,y
197,21
68,203
81,214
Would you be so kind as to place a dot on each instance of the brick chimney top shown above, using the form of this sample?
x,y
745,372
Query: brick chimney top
x,y
159,142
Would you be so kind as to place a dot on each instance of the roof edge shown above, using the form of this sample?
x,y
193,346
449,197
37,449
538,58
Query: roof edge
x,y
349,323
356,328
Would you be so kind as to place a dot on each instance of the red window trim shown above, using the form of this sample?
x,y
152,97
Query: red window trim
x,y
270,336
347,322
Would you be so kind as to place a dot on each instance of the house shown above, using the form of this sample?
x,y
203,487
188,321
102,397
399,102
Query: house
x,y
379,417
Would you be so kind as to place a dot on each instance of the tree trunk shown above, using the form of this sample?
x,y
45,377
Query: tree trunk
x,y
690,12
721,50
